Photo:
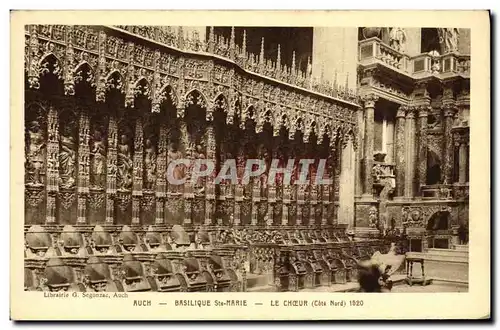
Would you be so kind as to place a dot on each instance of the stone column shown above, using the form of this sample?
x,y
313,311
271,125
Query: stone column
x,y
137,172
369,103
111,175
210,186
187,186
422,145
449,112
400,151
461,140
462,154
83,168
52,165
161,170
410,152
359,153
346,184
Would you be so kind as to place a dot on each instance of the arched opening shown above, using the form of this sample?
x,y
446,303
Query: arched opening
x,y
430,40
437,227
433,168
438,221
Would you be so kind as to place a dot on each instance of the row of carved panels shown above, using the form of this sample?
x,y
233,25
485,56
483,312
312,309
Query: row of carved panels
x,y
106,72
415,215
173,210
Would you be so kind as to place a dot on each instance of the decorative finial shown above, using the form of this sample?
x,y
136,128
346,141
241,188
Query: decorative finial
x,y
293,62
232,45
262,51
244,46
231,41
180,38
278,60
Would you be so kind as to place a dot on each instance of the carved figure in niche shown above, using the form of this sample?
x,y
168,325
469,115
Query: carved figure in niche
x,y
397,39
178,171
200,154
98,156
377,172
372,217
125,164
240,164
36,154
67,158
436,65
150,164
448,38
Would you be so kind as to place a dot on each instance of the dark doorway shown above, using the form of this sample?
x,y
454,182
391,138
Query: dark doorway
x,y
433,168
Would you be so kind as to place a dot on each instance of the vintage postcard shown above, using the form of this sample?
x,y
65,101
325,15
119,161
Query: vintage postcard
x,y
190,165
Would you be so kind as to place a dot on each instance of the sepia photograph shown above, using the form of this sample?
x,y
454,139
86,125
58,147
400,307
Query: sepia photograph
x,y
245,159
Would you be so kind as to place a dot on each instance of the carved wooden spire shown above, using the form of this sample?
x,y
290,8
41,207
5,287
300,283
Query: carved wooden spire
x,y
232,45
211,40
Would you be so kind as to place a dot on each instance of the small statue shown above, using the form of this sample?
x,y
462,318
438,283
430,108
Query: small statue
x,y
178,171
98,154
397,39
448,38
36,153
67,159
150,164
125,165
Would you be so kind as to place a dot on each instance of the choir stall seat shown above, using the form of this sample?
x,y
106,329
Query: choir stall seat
x,y
298,273
61,277
155,242
337,266
227,279
196,278
324,275
98,277
134,275
316,268
351,262
165,276
39,243
102,246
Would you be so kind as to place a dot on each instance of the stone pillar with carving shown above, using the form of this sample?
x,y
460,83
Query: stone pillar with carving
x,y
369,108
111,170
449,113
52,164
188,191
239,191
422,145
210,185
137,173
461,138
411,155
400,150
161,179
359,152
83,167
